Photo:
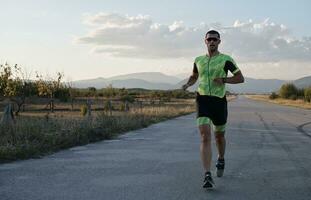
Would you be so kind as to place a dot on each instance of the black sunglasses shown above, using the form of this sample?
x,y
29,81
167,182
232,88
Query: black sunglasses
x,y
212,39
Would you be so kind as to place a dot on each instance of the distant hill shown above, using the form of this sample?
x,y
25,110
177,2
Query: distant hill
x,y
137,83
156,80
257,86
183,76
181,83
153,77
126,83
303,82
249,86
147,80
97,83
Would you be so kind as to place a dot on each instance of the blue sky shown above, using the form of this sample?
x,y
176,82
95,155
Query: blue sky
x,y
50,36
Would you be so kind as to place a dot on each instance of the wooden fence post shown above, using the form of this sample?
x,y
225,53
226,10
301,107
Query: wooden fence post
x,y
8,116
89,108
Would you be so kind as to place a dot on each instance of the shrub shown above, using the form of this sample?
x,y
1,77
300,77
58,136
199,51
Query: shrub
x,y
83,110
307,94
127,98
300,93
122,107
293,97
63,94
108,106
288,90
273,95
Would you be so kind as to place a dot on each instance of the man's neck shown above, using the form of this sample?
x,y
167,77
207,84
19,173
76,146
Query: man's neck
x,y
212,53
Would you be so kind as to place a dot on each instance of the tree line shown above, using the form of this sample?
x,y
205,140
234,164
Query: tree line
x,y
290,91
16,86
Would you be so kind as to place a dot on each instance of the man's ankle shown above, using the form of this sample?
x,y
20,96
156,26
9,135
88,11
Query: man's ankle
x,y
208,173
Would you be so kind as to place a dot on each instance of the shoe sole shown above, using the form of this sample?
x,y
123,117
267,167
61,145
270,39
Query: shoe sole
x,y
208,186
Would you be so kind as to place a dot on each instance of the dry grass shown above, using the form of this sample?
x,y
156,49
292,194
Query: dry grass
x,y
287,102
34,134
231,97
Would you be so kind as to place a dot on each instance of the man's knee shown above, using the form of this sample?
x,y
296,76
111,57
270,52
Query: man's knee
x,y
205,132
219,136
205,138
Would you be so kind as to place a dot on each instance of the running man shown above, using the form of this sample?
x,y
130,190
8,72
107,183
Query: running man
x,y
212,69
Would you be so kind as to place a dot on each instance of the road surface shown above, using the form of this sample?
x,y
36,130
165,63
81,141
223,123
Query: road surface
x,y
268,157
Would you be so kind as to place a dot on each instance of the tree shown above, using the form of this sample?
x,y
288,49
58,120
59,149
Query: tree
x,y
307,94
8,87
288,90
126,99
15,85
92,91
6,81
48,87
109,91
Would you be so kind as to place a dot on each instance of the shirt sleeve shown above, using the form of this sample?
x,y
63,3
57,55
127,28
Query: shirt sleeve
x,y
195,69
231,66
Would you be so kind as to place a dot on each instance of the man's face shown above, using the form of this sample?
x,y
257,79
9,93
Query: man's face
x,y
212,41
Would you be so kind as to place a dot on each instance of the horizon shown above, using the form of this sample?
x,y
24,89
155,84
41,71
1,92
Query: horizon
x,y
111,38
175,76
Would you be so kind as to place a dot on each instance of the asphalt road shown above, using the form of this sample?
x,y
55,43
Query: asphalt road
x,y
268,157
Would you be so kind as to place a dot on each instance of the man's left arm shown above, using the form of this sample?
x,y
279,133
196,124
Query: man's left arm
x,y
235,79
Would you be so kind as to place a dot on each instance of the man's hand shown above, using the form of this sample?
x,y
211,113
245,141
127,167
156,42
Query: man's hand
x,y
184,87
192,79
219,81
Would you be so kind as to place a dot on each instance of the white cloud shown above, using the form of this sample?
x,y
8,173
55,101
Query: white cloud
x,y
284,70
139,37
147,39
265,42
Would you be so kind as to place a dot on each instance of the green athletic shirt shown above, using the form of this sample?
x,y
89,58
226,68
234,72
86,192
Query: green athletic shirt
x,y
211,68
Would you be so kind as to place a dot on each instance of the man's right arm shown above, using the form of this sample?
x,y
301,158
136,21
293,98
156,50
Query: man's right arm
x,y
193,78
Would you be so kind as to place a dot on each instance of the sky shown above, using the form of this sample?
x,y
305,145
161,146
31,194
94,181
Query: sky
x,y
103,38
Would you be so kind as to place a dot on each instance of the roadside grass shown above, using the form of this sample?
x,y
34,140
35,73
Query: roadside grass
x,y
33,136
287,102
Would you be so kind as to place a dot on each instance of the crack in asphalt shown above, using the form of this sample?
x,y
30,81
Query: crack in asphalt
x,y
301,130
292,157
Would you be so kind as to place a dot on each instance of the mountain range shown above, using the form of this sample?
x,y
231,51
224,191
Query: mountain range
x,y
157,80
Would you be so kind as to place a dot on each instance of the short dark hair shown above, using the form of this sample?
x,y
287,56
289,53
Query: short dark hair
x,y
212,32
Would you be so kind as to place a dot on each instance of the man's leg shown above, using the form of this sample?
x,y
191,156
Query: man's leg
x,y
220,143
206,146
221,146
206,150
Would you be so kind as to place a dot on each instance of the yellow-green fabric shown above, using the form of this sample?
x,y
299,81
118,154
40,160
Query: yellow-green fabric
x,y
207,121
210,68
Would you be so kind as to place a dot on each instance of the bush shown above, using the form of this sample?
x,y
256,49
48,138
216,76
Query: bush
x,y
63,94
108,105
273,95
300,93
307,94
293,97
122,107
288,90
180,94
36,136
83,110
127,98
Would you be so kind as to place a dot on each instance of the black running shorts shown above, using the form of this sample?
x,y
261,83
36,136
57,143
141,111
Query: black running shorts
x,y
213,107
